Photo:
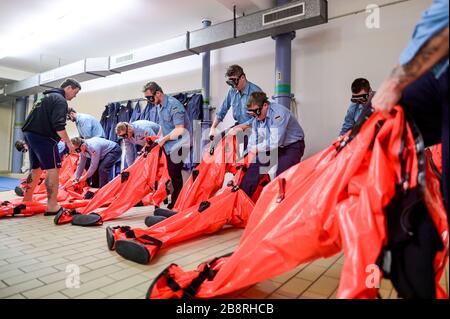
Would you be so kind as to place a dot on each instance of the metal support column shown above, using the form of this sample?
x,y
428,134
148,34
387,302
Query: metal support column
x,y
19,119
283,65
206,121
206,76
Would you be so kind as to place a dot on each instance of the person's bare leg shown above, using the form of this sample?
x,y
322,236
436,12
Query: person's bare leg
x,y
52,183
32,181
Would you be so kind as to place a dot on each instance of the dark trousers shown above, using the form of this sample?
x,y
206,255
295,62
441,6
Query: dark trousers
x,y
93,180
175,168
242,139
427,101
288,156
105,168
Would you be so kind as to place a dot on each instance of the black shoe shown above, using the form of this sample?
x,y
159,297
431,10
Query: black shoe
x,y
19,191
60,210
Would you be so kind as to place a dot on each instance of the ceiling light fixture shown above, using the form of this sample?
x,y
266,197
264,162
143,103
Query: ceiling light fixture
x,y
68,18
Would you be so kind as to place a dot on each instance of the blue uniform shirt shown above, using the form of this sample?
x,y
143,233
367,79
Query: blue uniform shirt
x,y
61,148
278,129
142,129
88,126
239,103
353,113
170,114
434,20
96,150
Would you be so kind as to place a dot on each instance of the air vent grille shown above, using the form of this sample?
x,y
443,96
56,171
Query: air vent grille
x,y
279,15
124,58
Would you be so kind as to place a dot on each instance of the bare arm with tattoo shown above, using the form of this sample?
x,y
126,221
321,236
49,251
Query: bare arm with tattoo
x,y
428,56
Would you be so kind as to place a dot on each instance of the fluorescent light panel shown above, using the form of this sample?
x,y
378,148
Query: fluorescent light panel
x,y
64,19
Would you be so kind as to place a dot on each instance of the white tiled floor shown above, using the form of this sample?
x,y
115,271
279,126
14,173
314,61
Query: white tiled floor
x,y
34,254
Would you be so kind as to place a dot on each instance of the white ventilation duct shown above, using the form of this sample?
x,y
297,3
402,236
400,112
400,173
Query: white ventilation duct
x,y
282,19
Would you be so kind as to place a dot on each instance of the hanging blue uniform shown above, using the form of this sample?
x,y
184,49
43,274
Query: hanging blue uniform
x,y
136,115
150,113
125,112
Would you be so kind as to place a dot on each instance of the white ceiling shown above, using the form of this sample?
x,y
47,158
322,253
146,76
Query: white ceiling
x,y
101,33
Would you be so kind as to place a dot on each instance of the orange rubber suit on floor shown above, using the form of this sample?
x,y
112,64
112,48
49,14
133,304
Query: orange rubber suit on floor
x,y
230,206
69,196
147,175
68,168
208,177
332,202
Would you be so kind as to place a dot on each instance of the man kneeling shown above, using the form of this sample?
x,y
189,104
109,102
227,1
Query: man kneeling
x,y
103,154
276,138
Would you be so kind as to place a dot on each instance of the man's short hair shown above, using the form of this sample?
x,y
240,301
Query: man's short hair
x,y
77,141
153,87
258,98
121,126
234,70
71,109
20,145
360,84
72,83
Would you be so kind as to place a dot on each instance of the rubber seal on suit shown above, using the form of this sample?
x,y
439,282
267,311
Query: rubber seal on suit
x,y
153,220
133,251
91,219
163,212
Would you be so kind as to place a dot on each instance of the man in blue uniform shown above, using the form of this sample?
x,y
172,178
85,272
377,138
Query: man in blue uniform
x,y
87,125
237,97
420,82
135,134
103,154
175,139
420,85
361,96
276,131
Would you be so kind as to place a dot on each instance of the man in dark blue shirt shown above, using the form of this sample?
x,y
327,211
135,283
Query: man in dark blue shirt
x,y
419,82
361,95
44,127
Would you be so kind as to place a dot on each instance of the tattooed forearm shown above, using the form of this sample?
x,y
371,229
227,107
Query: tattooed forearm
x,y
431,53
